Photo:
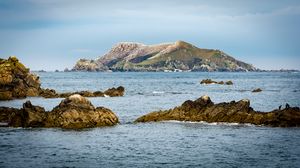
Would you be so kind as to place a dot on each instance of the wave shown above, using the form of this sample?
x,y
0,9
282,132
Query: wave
x,y
208,123
158,92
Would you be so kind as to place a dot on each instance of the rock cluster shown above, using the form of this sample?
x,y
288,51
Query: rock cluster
x,y
112,92
16,81
209,81
203,109
73,112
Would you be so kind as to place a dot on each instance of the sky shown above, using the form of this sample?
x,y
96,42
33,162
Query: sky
x,y
54,34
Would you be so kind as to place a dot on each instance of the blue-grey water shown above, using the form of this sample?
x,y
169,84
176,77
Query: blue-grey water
x,y
164,144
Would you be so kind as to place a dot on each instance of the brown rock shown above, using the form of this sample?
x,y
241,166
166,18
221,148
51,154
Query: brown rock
x,y
6,95
113,92
73,112
16,81
203,109
78,112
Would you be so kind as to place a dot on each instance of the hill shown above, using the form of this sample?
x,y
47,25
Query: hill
x,y
178,56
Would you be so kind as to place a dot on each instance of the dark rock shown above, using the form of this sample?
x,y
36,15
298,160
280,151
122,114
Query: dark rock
x,y
257,90
203,109
229,83
209,81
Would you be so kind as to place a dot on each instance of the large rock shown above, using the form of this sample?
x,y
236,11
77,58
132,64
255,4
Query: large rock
x,y
78,112
203,109
73,112
16,81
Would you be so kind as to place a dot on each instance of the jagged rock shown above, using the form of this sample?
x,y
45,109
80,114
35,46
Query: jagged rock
x,y
113,92
203,109
73,112
180,55
209,81
16,81
48,93
78,112
257,90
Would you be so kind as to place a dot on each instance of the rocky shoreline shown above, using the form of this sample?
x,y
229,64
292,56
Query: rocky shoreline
x,y
16,82
74,112
203,109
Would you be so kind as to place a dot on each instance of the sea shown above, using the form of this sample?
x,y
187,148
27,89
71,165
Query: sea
x,y
159,144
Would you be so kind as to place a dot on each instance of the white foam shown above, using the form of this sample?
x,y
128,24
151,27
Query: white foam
x,y
158,92
207,123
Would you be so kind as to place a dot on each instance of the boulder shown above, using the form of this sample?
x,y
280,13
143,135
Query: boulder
x,y
77,111
203,109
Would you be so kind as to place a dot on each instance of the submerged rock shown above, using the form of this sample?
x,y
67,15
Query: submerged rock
x,y
209,81
203,109
73,112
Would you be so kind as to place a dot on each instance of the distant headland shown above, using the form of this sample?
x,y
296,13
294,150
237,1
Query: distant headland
x,y
165,57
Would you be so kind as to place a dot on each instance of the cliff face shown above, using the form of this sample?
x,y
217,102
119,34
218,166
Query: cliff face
x,y
162,57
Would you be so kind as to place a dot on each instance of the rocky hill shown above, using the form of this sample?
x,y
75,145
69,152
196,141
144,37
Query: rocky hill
x,y
178,56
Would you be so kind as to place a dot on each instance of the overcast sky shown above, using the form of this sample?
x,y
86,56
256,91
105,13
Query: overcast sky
x,y
54,34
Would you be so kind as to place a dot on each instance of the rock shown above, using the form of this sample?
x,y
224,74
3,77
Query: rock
x,y
203,109
33,116
113,92
229,83
16,81
73,112
5,95
48,93
209,81
257,90
78,112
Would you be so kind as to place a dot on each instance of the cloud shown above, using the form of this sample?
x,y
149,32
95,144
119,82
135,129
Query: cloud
x,y
73,29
